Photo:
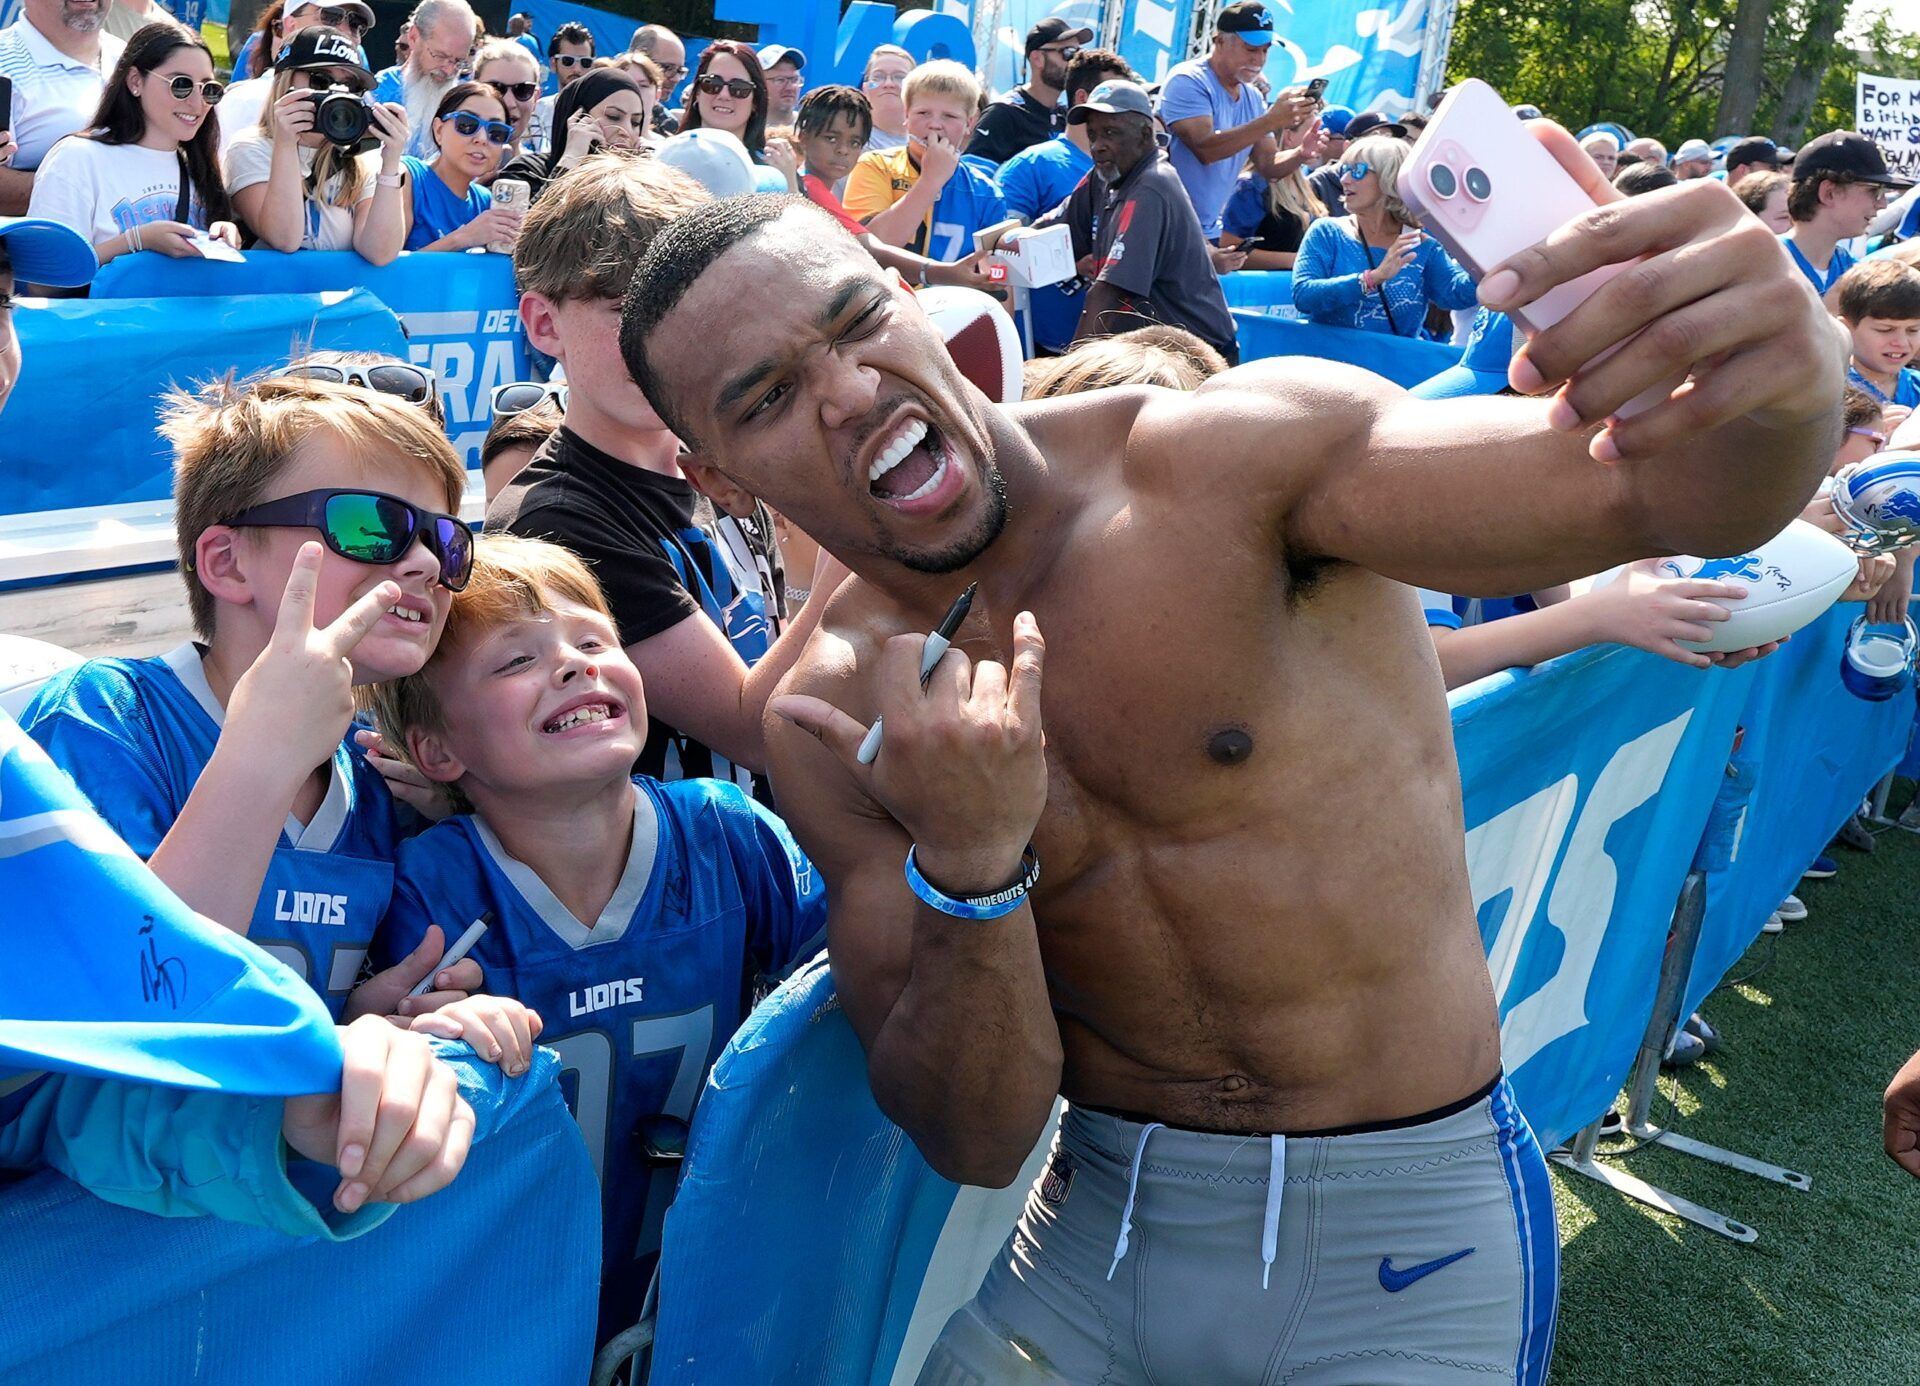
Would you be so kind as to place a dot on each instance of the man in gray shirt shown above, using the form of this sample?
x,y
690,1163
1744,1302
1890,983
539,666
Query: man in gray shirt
x,y
1133,217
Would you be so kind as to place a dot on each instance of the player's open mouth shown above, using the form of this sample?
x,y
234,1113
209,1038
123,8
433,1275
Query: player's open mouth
x,y
585,712
914,469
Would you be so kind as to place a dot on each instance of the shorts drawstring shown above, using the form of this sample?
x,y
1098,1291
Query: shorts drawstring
x,y
1270,1228
1133,1190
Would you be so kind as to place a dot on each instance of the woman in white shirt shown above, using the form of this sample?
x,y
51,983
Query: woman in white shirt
x,y
297,189
146,174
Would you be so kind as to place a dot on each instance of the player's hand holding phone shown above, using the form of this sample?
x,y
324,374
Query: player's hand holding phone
x,y
1708,293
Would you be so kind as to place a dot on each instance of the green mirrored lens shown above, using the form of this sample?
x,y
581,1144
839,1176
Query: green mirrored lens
x,y
371,529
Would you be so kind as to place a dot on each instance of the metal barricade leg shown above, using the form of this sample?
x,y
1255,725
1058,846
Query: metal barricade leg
x,y
1669,997
1877,801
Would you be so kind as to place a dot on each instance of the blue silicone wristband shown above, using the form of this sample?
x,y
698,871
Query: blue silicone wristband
x,y
977,907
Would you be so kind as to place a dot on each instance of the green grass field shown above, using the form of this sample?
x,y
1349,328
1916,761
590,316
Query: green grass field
x,y
1831,1290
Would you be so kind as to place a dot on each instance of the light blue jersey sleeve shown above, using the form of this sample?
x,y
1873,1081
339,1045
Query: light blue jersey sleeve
x,y
177,1153
90,725
1447,284
1324,287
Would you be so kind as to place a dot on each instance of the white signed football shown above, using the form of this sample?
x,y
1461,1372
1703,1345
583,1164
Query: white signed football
x,y
1790,580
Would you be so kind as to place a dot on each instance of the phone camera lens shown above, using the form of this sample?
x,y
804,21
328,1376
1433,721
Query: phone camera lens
x,y
1442,181
1479,186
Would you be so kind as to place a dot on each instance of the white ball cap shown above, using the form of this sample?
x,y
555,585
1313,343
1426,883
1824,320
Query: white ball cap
x,y
713,158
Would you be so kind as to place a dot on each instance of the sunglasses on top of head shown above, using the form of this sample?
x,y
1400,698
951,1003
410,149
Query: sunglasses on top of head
x,y
370,527
519,91
739,88
518,396
183,86
343,19
409,383
466,124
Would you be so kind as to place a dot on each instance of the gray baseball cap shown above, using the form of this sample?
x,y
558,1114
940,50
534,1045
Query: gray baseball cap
x,y
1113,98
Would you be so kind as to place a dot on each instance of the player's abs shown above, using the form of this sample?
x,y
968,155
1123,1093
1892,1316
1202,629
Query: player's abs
x,y
1247,983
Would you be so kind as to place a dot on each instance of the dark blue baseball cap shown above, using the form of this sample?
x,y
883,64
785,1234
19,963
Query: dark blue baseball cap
x,y
1334,119
1247,20
1483,365
48,252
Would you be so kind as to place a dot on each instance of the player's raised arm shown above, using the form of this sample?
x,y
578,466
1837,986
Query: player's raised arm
x,y
962,1047
1497,495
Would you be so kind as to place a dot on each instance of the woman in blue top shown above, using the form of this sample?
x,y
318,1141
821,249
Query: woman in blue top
x,y
1374,269
449,210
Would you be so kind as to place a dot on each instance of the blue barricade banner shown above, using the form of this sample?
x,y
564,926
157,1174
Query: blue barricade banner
x,y
1155,34
1368,52
104,971
459,312
1587,783
1403,360
494,1279
1810,752
80,423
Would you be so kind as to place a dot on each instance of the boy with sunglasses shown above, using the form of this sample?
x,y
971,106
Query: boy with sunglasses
x,y
318,555
638,918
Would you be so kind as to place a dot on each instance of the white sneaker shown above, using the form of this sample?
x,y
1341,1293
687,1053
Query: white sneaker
x,y
1910,820
1773,924
1792,910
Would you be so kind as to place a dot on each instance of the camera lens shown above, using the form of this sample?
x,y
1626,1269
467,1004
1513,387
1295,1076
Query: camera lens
x,y
1440,178
1479,186
340,116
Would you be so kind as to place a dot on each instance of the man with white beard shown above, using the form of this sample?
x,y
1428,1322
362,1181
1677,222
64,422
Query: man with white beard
x,y
58,60
441,35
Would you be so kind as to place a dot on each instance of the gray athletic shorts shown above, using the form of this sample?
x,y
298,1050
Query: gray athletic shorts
x,y
1421,1252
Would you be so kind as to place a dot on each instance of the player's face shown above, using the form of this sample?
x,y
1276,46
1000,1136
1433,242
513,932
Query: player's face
x,y
398,645
548,700
834,400
1884,345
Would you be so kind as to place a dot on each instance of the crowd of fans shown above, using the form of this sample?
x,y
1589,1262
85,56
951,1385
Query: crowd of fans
x,y
692,600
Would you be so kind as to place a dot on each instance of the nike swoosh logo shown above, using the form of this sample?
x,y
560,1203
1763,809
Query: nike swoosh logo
x,y
1394,1281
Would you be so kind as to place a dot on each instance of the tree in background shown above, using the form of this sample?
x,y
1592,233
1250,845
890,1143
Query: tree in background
x,y
1677,69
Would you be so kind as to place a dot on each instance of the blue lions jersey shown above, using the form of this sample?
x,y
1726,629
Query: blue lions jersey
x,y
639,1002
135,734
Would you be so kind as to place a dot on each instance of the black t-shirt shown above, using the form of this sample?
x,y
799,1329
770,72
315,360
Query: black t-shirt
x,y
661,555
1013,123
1146,241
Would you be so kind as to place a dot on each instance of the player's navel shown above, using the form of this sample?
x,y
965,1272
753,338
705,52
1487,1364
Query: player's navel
x,y
1230,746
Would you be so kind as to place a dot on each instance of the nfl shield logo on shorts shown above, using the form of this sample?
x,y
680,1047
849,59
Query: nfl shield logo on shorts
x,y
1058,1179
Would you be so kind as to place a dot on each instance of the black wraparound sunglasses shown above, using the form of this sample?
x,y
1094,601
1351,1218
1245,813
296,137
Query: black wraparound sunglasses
x,y
370,527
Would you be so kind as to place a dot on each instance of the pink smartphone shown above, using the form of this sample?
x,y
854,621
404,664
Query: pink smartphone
x,y
1486,189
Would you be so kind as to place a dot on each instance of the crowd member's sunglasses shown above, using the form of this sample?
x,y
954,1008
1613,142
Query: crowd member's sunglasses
x,y
671,73
573,60
335,18
182,87
410,383
1068,52
519,91
783,79
739,88
1879,439
466,124
518,396
371,527
1356,171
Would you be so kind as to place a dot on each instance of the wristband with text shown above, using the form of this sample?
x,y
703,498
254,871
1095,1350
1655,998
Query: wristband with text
x,y
977,907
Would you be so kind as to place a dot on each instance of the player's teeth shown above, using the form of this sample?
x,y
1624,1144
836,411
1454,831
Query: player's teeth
x,y
406,613
926,487
896,452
